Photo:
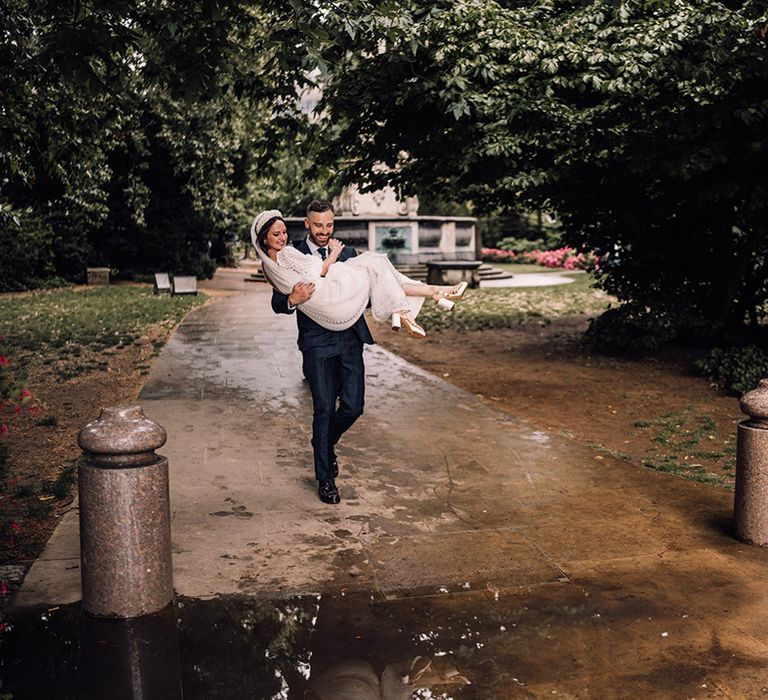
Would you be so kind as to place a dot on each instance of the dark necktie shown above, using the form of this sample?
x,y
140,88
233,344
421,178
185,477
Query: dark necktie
x,y
323,252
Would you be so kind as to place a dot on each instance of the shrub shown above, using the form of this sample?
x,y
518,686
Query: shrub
x,y
27,260
496,255
14,395
565,257
631,330
521,245
738,369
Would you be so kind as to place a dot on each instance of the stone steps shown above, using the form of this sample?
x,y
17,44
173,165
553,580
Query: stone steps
x,y
418,271
488,272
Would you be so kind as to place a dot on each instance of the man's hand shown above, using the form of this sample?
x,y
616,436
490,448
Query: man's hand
x,y
300,293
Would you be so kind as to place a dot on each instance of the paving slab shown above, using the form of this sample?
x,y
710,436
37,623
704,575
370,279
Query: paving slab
x,y
609,580
528,279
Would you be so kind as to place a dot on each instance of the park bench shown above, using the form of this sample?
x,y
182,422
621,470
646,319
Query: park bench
x,y
183,285
162,283
449,272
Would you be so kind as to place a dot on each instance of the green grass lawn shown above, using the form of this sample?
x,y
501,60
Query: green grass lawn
x,y
503,307
61,324
524,268
688,444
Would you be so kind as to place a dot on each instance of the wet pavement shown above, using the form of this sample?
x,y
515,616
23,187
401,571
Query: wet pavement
x,y
467,545
532,279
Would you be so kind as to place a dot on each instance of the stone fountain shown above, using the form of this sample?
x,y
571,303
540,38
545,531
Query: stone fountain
x,y
381,222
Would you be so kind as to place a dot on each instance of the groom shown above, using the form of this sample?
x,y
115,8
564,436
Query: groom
x,y
333,360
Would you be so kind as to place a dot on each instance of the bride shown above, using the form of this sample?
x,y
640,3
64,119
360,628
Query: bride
x,y
341,292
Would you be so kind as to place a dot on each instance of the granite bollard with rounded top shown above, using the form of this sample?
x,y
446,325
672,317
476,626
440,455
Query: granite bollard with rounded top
x,y
125,520
750,510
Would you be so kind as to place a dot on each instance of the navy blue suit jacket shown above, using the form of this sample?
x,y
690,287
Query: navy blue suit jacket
x,y
312,334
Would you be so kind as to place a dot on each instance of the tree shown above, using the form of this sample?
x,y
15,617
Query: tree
x,y
642,124
130,130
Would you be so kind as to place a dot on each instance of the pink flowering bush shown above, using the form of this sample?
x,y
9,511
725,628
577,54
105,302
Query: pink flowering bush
x,y
565,258
14,395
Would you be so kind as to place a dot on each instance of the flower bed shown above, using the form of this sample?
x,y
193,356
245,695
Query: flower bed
x,y
565,258
14,395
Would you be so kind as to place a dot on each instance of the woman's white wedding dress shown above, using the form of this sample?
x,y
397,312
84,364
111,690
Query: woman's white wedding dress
x,y
342,295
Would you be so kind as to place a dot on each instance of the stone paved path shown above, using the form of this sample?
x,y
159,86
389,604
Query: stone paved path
x,y
532,279
631,577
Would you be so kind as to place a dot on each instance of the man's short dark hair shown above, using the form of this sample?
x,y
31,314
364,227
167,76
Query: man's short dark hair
x,y
319,205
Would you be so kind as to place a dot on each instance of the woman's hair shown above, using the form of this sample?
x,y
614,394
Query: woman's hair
x,y
261,235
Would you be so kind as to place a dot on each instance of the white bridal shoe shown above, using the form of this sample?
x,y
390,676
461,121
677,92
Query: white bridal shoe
x,y
457,292
403,319
446,300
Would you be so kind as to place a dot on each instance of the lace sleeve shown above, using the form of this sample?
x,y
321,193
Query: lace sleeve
x,y
308,266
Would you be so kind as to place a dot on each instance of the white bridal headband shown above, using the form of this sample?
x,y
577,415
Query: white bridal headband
x,y
262,219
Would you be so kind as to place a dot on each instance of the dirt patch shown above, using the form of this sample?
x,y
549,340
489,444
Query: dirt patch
x,y
42,448
653,412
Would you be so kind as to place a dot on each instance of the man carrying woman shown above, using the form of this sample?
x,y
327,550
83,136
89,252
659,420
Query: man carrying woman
x,y
330,299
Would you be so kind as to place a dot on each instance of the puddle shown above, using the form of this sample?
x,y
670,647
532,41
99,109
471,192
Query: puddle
x,y
531,642
347,646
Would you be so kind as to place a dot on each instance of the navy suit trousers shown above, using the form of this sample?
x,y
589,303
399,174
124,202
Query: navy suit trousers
x,y
336,376
333,366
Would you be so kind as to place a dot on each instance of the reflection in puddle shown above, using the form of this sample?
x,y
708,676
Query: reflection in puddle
x,y
344,647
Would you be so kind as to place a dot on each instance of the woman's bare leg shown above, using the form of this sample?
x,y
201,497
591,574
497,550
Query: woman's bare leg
x,y
419,290
426,290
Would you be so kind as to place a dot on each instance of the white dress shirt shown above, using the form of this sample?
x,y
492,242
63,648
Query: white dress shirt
x,y
314,248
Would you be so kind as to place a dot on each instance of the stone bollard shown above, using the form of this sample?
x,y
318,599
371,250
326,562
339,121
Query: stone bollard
x,y
750,510
125,520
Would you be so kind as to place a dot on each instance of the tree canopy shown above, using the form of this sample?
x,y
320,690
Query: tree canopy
x,y
642,124
141,135
130,131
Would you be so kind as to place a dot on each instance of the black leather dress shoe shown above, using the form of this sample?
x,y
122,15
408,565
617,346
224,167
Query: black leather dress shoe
x,y
328,492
